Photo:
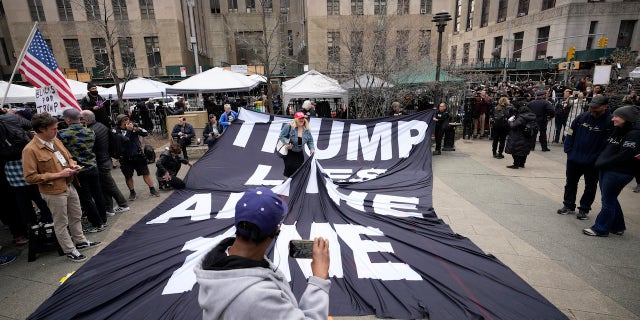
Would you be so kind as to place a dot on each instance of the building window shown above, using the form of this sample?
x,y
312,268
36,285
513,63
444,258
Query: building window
x,y
357,7
249,49
120,9
333,7
403,7
92,9
380,49
267,5
380,7
215,6
625,33
592,30
425,6
465,53
284,6
154,59
64,10
456,18
424,42
523,8
548,4
480,53
454,55
251,6
5,52
470,9
355,47
127,53
233,5
146,10
333,48
484,15
497,48
72,48
518,38
100,55
541,45
290,42
36,10
402,48
502,10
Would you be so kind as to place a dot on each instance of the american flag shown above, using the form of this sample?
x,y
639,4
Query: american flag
x,y
40,68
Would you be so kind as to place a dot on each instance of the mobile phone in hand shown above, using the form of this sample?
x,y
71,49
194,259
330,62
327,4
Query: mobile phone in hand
x,y
301,249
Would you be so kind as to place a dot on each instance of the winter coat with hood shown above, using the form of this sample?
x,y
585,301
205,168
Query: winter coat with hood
x,y
233,287
517,143
622,152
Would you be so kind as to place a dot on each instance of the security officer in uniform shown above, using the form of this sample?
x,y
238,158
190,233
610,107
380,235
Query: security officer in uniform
x,y
544,112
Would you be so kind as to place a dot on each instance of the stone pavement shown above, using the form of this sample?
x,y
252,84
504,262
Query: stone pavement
x,y
508,213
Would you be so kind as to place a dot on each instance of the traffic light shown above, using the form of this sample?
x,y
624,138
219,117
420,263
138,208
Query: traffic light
x,y
602,42
571,53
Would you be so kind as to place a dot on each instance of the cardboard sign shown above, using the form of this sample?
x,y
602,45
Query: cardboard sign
x,y
47,100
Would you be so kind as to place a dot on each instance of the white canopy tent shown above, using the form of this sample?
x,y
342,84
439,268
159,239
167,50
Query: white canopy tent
x,y
635,73
138,88
366,81
17,93
214,80
79,88
312,84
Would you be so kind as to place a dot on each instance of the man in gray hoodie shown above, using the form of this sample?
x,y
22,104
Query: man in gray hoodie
x,y
237,280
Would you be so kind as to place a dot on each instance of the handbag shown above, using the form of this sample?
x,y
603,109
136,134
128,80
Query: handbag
x,y
281,149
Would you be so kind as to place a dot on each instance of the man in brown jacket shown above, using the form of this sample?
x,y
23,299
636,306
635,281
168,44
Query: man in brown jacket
x,y
47,163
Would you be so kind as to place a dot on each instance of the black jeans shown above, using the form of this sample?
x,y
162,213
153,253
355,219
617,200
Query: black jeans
x,y
499,137
24,196
109,188
574,172
91,198
439,135
184,142
561,122
542,125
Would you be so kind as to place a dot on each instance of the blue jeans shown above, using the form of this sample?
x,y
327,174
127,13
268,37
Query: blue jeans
x,y
610,218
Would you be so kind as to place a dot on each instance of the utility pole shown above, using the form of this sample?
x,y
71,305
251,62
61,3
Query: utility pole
x,y
506,56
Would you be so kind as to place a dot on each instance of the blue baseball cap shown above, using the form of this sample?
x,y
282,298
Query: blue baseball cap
x,y
261,207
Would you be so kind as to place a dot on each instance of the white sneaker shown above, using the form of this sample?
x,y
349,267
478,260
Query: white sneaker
x,y
111,213
120,209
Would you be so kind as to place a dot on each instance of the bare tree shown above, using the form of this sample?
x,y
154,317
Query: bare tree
x,y
112,30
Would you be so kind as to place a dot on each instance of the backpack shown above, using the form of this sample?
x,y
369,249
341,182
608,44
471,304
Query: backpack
x,y
531,129
12,141
149,154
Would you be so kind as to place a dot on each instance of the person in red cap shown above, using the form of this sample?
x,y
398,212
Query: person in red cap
x,y
296,135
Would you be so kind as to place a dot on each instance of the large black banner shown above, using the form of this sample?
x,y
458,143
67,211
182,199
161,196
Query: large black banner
x,y
368,189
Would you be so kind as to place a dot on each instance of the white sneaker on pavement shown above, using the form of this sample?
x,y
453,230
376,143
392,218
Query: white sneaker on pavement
x,y
120,209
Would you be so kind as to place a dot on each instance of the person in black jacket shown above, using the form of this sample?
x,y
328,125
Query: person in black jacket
x,y
501,114
103,158
518,145
183,133
544,112
96,103
168,166
618,164
442,123
212,131
563,108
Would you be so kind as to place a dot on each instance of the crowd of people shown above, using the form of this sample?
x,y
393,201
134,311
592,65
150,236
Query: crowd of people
x,y
599,131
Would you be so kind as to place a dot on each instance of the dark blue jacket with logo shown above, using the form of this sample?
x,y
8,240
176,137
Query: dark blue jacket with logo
x,y
587,136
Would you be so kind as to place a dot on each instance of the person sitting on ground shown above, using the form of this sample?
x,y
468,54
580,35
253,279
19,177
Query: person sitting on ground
x,y
236,273
168,166
211,132
183,132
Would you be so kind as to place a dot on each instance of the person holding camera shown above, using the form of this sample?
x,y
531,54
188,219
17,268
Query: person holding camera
x,y
183,132
131,156
168,166
236,273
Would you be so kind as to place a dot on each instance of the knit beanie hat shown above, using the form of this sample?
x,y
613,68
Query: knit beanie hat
x,y
628,113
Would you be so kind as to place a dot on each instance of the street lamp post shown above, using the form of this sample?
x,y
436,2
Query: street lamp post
x,y
194,43
440,19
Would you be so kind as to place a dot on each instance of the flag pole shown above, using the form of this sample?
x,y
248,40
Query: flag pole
x,y
24,49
